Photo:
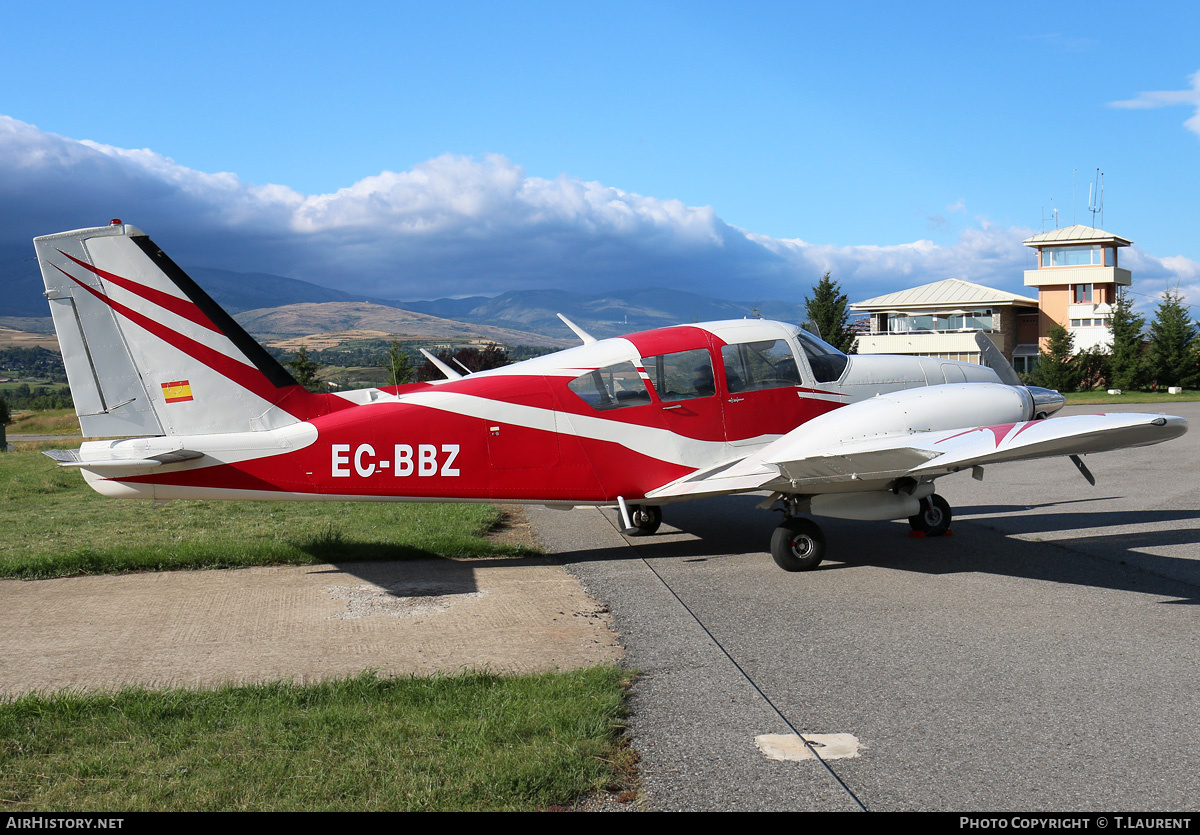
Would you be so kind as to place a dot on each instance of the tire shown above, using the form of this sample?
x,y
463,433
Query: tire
x,y
933,518
646,518
798,545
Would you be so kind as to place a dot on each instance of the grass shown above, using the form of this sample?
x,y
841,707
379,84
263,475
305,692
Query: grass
x,y
470,742
1087,398
51,422
56,526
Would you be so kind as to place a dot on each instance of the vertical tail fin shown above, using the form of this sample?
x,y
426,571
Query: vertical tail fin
x,y
147,351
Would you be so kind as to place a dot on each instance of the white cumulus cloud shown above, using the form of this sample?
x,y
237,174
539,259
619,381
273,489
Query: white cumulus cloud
x,y
454,226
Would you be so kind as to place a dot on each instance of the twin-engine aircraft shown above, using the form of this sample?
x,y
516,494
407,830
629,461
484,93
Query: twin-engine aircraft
x,y
641,421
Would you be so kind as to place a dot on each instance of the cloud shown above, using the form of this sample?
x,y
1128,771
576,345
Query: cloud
x,y
456,226
1169,98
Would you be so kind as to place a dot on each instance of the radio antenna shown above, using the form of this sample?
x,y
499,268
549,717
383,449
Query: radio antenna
x,y
1096,198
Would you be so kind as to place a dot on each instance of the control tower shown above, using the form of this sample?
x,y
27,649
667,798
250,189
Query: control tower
x,y
1077,278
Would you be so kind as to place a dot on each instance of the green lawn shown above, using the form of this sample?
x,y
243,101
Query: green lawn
x,y
57,526
50,422
1086,398
469,742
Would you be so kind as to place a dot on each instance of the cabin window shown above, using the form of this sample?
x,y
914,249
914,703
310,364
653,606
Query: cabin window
x,y
682,375
751,366
612,387
827,362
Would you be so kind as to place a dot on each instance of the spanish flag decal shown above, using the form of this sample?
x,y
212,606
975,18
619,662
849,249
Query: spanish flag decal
x,y
178,392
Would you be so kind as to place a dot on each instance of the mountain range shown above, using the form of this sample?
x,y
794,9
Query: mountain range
x,y
251,296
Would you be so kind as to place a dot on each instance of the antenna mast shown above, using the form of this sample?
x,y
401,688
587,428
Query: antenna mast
x,y
1096,198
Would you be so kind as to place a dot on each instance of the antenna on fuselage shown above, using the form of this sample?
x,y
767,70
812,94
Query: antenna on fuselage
x,y
450,373
587,338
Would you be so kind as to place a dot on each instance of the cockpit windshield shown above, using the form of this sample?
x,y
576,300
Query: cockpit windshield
x,y
827,362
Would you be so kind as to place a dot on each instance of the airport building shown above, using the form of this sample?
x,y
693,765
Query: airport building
x,y
1076,278
942,318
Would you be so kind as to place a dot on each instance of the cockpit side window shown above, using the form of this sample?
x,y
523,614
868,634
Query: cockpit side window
x,y
827,362
682,375
612,387
751,366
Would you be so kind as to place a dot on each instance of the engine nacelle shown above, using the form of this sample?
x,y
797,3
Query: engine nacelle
x,y
876,506
925,409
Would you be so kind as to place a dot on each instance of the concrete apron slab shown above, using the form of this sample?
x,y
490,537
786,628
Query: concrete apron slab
x,y
207,628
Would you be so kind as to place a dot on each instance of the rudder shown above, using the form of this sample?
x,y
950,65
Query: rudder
x,y
148,352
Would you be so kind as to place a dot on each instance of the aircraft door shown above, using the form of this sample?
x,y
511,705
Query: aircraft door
x,y
763,384
686,384
520,445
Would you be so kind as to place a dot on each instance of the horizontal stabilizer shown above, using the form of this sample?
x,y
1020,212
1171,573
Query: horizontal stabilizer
x,y
72,458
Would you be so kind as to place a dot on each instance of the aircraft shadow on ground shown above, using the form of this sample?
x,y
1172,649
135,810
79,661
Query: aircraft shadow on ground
x,y
422,573
731,525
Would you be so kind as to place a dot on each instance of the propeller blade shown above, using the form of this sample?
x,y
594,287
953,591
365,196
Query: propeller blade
x,y
994,359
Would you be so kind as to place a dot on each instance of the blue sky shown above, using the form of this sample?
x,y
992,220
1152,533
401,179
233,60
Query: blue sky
x,y
713,146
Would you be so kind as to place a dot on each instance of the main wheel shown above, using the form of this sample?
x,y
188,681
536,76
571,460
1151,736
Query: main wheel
x,y
798,544
645,517
934,517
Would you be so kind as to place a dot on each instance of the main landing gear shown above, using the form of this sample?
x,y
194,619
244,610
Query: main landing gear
x,y
933,519
798,544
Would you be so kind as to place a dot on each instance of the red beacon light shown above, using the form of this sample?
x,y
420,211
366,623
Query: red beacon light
x,y
116,221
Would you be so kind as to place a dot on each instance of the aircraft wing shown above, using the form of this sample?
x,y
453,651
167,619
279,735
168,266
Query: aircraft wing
x,y
793,464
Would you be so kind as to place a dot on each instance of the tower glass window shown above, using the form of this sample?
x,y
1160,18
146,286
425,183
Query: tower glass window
x,y
1072,256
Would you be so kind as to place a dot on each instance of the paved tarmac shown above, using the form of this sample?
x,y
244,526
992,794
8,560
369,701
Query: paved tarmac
x,y
208,628
1044,657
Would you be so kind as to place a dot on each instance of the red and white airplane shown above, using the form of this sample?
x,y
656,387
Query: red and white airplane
x,y
638,422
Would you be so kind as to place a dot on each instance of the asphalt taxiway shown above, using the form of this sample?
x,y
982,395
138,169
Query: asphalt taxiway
x,y
1043,657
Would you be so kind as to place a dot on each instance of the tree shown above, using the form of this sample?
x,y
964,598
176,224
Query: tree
x,y
1055,370
1129,371
399,365
305,370
829,309
1093,368
1173,345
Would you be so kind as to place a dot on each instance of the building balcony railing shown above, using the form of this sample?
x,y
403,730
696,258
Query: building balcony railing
x,y
936,331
